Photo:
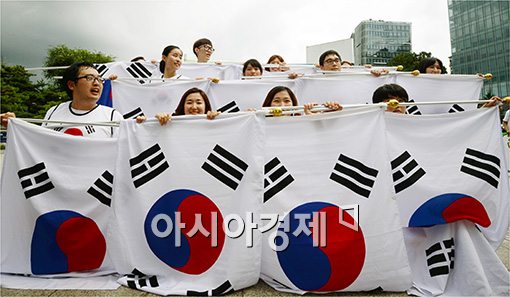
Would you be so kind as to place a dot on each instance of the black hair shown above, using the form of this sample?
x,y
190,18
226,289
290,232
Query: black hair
x,y
180,107
254,63
274,91
327,53
165,53
71,74
138,58
199,43
389,91
427,62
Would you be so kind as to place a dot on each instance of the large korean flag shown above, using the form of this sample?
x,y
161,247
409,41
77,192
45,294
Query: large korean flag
x,y
56,196
346,88
327,178
433,87
450,167
233,96
177,186
133,100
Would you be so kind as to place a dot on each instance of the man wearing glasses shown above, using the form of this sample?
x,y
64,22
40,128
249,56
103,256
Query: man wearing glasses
x,y
330,61
84,85
203,49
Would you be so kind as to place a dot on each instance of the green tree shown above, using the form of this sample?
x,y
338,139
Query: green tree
x,y
410,61
23,97
61,55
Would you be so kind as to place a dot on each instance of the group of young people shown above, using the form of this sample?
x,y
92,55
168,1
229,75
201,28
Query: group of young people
x,y
84,85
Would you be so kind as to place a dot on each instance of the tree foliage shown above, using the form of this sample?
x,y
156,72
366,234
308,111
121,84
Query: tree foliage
x,y
61,55
30,99
24,97
410,61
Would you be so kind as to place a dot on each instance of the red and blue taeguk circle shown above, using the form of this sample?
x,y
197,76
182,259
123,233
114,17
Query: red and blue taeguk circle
x,y
66,241
450,207
195,254
331,267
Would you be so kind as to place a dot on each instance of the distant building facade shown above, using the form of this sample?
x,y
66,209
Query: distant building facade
x,y
377,42
344,47
480,41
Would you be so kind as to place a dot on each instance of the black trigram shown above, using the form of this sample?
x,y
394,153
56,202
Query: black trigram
x,y
229,107
147,165
138,280
440,257
224,288
134,113
58,129
413,109
406,172
354,175
456,108
482,166
101,68
137,70
225,167
102,188
35,180
89,129
276,178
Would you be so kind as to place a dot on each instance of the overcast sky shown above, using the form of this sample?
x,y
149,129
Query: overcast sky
x,y
239,29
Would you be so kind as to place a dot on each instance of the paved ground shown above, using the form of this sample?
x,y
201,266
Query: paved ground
x,y
260,289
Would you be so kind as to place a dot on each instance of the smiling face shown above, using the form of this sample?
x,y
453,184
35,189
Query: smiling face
x,y
194,104
84,90
434,68
281,98
252,71
275,61
173,62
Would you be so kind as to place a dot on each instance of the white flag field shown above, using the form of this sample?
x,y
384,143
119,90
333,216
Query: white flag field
x,y
460,172
177,186
136,93
56,196
354,200
339,227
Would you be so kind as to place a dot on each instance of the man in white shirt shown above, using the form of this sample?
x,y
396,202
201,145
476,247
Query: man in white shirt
x,y
84,85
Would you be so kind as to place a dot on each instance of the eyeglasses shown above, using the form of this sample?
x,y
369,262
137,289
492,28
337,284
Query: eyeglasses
x,y
91,78
207,47
331,61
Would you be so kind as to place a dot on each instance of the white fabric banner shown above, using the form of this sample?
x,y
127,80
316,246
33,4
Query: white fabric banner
x,y
132,100
231,96
345,88
56,194
331,165
223,72
435,87
459,173
140,71
176,187
454,259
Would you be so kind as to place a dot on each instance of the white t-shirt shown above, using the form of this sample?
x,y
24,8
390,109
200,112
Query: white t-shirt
x,y
100,113
507,116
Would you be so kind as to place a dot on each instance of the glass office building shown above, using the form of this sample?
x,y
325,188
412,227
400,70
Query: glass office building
x,y
480,41
377,42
